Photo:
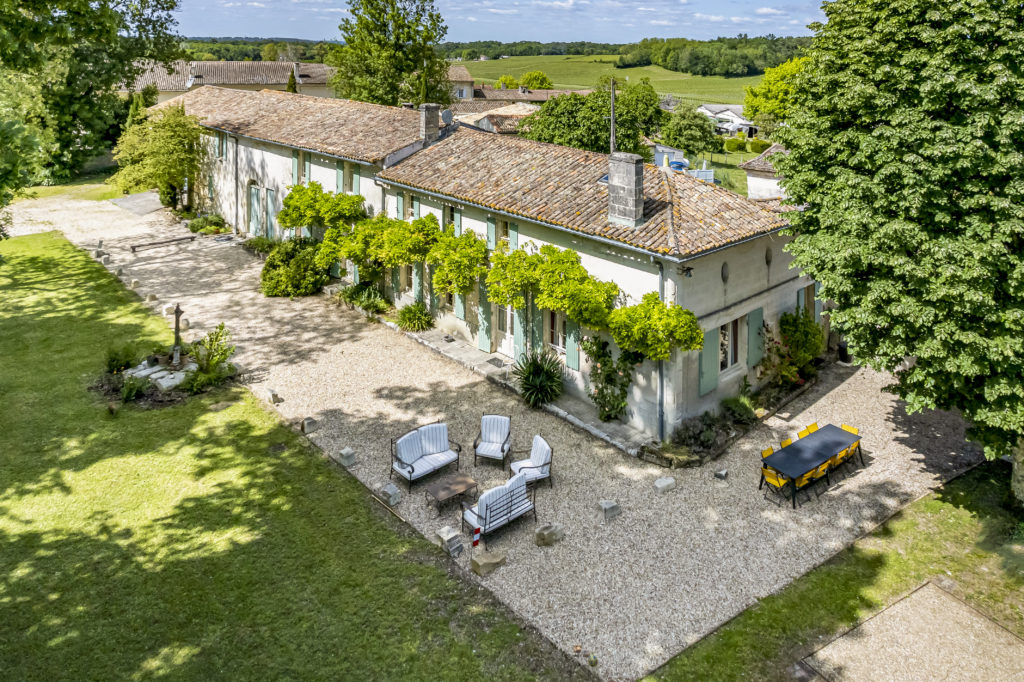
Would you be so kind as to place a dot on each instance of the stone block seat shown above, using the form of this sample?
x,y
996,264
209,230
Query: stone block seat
x,y
423,451
495,439
499,506
538,466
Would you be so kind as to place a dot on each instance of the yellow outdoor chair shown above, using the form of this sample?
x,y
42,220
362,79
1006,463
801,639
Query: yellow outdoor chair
x,y
767,452
839,459
788,441
812,427
812,477
855,448
852,429
803,434
777,483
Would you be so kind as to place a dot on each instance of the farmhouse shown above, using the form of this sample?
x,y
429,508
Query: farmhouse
x,y
693,243
462,82
310,79
728,118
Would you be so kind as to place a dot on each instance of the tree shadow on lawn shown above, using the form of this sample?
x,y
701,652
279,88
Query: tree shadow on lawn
x,y
211,554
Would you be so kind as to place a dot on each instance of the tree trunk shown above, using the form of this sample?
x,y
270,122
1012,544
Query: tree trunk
x,y
1017,476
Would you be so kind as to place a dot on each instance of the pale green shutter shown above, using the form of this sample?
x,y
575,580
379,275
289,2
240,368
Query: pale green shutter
x,y
817,303
572,345
513,235
415,206
400,206
306,168
434,307
339,177
491,231
209,186
483,336
519,333
395,281
355,178
355,274
457,215
295,166
417,281
460,306
755,341
536,325
709,362
800,300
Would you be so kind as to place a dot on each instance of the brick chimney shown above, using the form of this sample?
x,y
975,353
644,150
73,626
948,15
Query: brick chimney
x,y
626,189
429,122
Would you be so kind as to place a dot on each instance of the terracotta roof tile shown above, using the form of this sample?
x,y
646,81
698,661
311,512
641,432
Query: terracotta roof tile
x,y
459,73
762,163
156,74
186,74
561,185
338,127
517,94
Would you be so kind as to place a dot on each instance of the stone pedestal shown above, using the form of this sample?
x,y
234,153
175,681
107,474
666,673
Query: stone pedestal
x,y
272,397
309,425
450,540
485,563
609,509
548,534
391,494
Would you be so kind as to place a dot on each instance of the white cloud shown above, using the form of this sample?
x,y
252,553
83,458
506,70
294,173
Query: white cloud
x,y
503,11
256,4
768,10
646,9
708,17
659,22
470,18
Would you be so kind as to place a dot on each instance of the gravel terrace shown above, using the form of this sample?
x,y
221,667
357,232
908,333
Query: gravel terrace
x,y
634,591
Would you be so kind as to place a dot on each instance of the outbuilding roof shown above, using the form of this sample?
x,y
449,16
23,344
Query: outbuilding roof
x,y
458,73
186,74
521,94
763,162
563,186
337,127
154,73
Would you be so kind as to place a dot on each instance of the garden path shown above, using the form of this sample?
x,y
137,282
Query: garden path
x,y
634,591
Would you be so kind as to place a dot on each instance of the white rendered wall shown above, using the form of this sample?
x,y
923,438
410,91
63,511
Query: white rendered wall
x,y
763,186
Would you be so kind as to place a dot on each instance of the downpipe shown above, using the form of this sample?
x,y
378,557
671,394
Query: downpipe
x,y
661,363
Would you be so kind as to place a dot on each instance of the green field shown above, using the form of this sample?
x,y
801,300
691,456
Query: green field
x,y
91,186
204,540
577,72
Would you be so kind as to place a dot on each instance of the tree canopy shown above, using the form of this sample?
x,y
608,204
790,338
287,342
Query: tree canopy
x,y
772,98
905,151
75,54
164,150
691,131
581,121
390,54
536,80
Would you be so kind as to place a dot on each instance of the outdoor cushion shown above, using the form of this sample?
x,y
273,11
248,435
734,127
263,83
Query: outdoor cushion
x,y
493,450
477,513
540,454
409,447
530,474
426,464
434,438
494,428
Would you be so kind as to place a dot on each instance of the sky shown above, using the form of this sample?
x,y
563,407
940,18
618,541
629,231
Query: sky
x,y
606,21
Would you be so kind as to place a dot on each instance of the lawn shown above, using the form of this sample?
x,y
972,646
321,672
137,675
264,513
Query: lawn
x,y
88,186
205,540
968,535
578,72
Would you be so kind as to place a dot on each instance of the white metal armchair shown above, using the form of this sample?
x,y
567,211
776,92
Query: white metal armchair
x,y
538,466
495,439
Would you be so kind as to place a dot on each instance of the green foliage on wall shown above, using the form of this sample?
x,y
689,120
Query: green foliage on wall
x,y
654,329
405,243
310,206
512,277
565,285
458,261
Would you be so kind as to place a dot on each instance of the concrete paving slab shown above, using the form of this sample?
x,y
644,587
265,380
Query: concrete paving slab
x,y
928,635
142,203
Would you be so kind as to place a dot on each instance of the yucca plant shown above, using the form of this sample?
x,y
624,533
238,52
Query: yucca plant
x,y
539,374
415,318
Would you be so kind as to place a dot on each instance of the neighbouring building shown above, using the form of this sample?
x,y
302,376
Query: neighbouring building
x,y
728,118
503,119
521,94
310,79
762,180
693,243
462,82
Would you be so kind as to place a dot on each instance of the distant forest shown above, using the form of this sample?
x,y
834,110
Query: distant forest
x,y
739,56
492,49
256,49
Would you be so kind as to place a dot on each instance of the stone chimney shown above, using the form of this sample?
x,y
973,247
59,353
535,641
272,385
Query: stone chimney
x,y
626,189
429,121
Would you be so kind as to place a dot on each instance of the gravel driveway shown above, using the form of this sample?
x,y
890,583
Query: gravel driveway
x,y
634,591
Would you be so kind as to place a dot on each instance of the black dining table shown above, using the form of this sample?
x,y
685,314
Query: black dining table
x,y
810,452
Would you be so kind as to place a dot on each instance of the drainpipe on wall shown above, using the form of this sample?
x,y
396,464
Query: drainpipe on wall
x,y
237,224
661,363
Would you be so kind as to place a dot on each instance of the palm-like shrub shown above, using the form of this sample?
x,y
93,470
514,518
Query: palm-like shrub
x,y
539,374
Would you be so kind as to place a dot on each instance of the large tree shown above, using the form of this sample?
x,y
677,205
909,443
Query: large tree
x,y
906,145
78,52
390,53
581,121
691,131
164,150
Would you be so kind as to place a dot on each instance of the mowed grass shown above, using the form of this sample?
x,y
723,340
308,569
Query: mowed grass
x,y
969,536
579,72
205,540
90,186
